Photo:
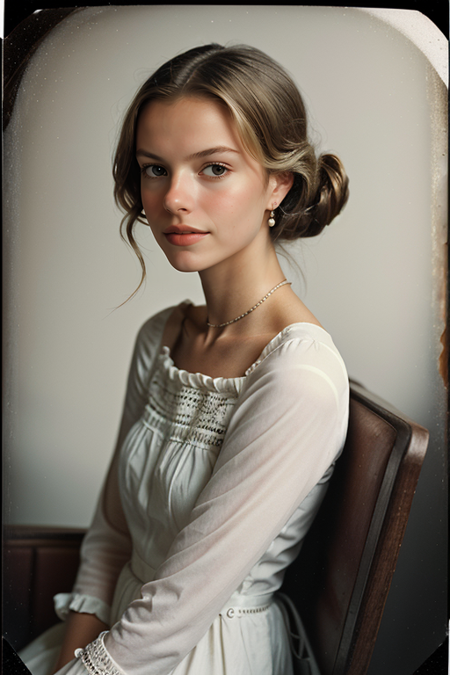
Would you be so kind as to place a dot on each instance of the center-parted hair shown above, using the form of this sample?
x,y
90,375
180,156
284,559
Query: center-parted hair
x,y
270,118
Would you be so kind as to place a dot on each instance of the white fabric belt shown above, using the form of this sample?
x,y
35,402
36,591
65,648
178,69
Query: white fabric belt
x,y
240,605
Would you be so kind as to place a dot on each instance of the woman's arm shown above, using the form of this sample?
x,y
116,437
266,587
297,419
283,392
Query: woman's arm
x,y
107,545
286,430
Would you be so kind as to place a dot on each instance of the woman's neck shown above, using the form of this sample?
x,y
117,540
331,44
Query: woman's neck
x,y
233,287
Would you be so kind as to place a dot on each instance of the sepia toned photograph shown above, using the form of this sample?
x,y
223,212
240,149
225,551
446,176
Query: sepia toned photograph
x,y
225,357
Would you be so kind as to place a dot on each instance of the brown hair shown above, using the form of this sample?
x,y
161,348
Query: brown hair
x,y
271,120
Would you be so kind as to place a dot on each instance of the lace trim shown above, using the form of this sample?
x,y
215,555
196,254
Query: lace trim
x,y
186,414
96,659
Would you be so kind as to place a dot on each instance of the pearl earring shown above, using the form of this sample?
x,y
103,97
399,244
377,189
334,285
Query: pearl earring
x,y
271,220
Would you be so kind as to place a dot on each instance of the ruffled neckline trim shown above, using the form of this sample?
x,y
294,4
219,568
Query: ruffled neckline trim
x,y
233,385
223,385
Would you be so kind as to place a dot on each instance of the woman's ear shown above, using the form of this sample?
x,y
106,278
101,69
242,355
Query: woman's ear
x,y
282,183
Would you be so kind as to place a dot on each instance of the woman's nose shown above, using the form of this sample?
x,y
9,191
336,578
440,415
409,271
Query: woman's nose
x,y
179,196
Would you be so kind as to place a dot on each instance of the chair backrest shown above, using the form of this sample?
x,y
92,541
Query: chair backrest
x,y
341,579
38,562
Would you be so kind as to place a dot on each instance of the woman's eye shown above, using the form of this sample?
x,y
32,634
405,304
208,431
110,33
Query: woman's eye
x,y
215,170
153,171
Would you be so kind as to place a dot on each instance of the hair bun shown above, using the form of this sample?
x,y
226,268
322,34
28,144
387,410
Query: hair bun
x,y
319,193
331,194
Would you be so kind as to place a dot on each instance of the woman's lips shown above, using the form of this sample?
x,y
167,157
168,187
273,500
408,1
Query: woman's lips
x,y
184,238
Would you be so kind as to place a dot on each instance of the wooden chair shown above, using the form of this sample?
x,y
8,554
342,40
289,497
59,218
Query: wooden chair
x,y
38,562
341,579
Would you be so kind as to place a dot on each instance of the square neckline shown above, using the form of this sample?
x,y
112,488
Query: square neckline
x,y
271,346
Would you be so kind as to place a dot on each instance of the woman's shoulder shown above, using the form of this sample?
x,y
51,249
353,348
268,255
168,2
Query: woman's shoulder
x,y
301,353
299,341
149,339
152,329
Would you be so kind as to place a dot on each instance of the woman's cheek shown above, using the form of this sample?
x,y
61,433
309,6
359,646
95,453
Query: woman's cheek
x,y
223,201
150,202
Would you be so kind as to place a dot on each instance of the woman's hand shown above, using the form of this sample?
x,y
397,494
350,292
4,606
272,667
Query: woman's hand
x,y
80,630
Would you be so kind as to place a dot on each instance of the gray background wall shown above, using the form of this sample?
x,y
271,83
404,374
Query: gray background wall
x,y
375,278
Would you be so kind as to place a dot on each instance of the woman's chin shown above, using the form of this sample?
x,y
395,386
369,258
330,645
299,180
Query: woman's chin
x,y
184,261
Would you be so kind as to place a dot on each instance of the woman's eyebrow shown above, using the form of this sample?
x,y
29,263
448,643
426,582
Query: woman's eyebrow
x,y
144,153
195,155
212,151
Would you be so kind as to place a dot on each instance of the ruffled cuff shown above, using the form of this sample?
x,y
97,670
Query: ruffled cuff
x,y
86,604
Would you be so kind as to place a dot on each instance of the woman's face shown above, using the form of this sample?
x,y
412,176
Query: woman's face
x,y
205,198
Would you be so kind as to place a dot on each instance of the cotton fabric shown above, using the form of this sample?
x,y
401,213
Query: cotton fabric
x,y
214,484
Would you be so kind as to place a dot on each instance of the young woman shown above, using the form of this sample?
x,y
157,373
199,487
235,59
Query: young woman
x,y
235,411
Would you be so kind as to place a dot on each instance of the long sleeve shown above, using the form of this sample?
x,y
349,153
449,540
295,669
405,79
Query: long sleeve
x,y
287,428
107,544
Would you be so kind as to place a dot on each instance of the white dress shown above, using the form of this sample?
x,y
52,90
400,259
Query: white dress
x,y
213,485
